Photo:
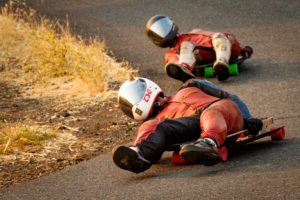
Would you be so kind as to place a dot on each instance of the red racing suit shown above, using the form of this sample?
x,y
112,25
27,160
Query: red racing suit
x,y
220,117
202,39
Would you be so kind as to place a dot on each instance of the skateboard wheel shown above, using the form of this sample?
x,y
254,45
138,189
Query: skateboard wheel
x,y
242,135
223,153
233,69
278,135
208,72
177,160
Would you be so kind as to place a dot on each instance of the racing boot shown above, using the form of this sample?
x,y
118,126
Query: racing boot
x,y
187,60
222,47
130,159
179,71
203,151
221,69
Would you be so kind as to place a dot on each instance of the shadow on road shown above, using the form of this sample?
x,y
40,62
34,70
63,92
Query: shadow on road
x,y
264,156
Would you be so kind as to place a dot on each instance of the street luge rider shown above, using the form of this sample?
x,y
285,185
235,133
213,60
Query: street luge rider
x,y
198,111
193,48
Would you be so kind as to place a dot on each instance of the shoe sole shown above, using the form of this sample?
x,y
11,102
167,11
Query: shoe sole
x,y
177,73
128,159
222,72
195,155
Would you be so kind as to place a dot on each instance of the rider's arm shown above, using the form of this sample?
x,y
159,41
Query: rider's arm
x,y
171,56
207,87
215,91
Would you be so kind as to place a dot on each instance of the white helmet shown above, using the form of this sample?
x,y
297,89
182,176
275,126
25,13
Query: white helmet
x,y
136,97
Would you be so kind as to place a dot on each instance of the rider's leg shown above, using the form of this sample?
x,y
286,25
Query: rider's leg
x,y
167,133
222,47
183,69
150,148
216,121
187,56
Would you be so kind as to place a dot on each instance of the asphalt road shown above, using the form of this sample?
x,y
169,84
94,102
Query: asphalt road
x,y
269,83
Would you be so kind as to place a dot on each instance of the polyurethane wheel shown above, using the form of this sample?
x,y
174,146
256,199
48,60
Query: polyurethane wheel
x,y
223,153
278,135
233,69
208,72
177,160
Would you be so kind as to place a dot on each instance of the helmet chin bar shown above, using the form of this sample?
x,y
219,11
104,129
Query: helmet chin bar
x,y
147,106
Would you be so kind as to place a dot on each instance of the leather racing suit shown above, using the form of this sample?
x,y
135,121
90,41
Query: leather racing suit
x,y
202,40
194,111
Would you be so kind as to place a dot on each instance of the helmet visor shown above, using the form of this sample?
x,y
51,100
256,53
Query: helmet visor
x,y
162,27
132,96
126,107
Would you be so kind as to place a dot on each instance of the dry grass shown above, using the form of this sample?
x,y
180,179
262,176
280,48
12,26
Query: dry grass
x,y
42,53
44,49
14,137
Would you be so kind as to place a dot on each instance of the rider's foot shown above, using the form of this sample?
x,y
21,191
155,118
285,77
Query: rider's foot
x,y
221,69
203,151
179,71
130,159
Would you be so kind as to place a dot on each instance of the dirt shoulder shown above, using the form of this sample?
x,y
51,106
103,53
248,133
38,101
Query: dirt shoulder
x,y
86,128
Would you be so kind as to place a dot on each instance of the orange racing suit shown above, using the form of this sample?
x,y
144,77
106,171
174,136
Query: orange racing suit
x,y
202,39
189,114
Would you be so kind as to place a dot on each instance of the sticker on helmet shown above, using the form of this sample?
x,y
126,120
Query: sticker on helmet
x,y
147,95
138,111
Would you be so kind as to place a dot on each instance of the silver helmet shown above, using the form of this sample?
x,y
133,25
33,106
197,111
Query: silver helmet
x,y
161,30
